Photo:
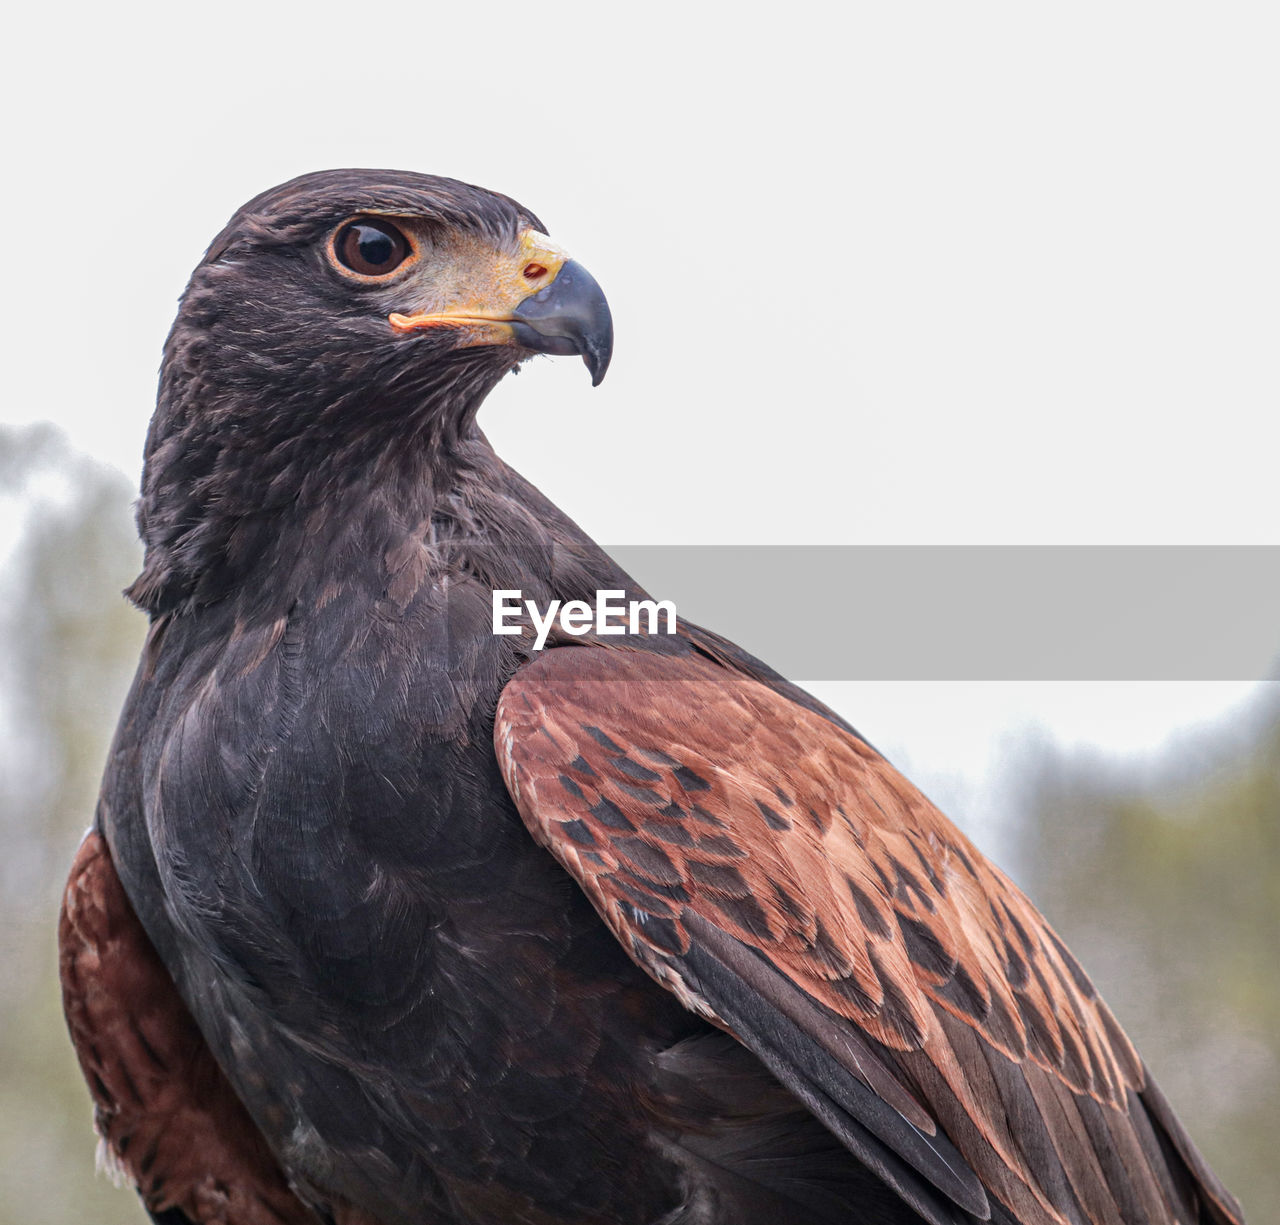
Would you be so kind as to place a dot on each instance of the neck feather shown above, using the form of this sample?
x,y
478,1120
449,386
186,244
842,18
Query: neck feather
x,y
235,495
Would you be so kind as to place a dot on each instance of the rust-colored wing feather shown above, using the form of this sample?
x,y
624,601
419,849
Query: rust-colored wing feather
x,y
782,879
169,1122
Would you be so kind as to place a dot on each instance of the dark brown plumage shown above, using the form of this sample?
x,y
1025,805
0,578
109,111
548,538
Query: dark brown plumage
x,y
315,965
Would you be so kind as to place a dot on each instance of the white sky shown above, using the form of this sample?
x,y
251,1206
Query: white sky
x,y
927,273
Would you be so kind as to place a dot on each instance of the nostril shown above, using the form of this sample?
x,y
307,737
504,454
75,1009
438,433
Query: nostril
x,y
534,272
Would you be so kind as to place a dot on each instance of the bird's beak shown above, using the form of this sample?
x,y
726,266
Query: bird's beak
x,y
568,316
536,298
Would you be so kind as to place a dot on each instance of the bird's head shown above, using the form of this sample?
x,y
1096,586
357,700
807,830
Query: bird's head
x,y
368,282
341,318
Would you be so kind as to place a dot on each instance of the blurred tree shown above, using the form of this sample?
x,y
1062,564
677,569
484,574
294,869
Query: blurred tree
x,y
1167,884
71,645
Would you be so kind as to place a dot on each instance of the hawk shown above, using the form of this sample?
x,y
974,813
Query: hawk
x,y
389,919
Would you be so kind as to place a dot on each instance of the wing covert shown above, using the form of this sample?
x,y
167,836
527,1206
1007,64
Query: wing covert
x,y
782,879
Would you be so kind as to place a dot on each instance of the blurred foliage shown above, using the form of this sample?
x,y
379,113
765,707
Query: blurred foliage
x,y
1169,888
1167,883
71,644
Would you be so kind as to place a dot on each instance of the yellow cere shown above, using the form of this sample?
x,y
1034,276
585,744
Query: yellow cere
x,y
468,283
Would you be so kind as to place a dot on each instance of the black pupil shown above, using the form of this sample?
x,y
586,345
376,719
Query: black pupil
x,y
374,246
371,249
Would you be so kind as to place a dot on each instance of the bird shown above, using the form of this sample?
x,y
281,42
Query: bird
x,y
387,917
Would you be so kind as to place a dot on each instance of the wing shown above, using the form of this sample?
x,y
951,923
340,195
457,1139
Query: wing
x,y
169,1122
780,878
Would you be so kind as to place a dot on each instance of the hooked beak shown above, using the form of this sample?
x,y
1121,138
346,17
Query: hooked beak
x,y
570,315
535,298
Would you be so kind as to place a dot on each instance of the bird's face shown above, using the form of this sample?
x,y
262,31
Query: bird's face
x,y
463,290
338,339
352,288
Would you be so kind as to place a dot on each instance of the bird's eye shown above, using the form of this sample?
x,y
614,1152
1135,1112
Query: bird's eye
x,y
370,248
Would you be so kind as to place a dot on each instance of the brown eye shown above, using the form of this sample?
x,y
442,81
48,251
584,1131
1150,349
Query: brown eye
x,y
371,248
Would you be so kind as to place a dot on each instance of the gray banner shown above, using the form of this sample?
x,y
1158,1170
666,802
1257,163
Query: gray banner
x,y
817,612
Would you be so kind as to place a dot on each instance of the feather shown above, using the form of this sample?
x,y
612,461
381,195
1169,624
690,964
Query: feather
x,y
876,963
